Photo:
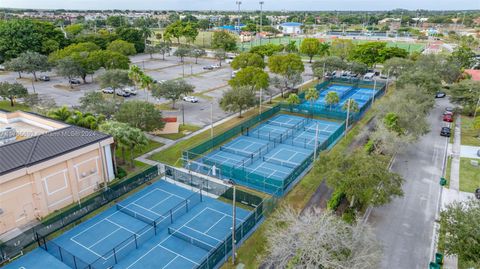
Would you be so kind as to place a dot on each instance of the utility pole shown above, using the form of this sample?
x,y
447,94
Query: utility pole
x,y
261,20
238,19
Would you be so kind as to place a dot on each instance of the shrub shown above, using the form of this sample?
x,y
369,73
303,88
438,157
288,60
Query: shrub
x,y
335,200
121,173
369,147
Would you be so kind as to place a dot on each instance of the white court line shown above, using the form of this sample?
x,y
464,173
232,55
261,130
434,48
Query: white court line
x,y
85,247
121,226
178,255
170,261
162,201
200,232
104,238
145,209
159,244
208,230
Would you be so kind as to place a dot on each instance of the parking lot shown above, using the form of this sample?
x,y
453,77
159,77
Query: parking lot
x,y
209,85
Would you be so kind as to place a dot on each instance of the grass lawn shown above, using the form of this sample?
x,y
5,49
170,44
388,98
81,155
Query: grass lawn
x,y
184,130
448,171
250,253
204,39
469,175
469,135
139,151
5,105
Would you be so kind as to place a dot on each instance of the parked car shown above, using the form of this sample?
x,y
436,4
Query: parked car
x,y
449,109
477,193
478,153
131,91
445,132
123,93
74,81
44,78
448,117
108,90
229,59
234,73
215,66
2,67
191,99
208,67
440,95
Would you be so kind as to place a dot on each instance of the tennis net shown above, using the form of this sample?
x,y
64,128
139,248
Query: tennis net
x,y
237,151
280,162
136,215
320,132
196,242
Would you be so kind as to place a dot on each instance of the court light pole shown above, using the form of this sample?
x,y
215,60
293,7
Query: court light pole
x,y
261,20
234,222
238,19
348,116
316,143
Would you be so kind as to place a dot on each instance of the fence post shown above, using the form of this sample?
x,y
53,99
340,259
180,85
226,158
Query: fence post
x,y
61,255
75,262
171,216
115,255
135,237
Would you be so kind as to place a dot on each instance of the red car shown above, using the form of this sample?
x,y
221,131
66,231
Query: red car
x,y
448,117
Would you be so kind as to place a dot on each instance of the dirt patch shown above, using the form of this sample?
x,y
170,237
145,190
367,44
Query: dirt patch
x,y
320,197
362,138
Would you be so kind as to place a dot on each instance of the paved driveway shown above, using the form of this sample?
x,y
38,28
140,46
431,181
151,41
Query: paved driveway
x,y
405,226
469,152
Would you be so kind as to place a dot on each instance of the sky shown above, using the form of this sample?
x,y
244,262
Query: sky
x,y
311,5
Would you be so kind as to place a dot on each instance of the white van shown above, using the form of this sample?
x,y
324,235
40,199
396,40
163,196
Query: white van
x,y
369,76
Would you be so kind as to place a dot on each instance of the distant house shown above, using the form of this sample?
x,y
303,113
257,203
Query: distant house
x,y
290,28
475,74
46,165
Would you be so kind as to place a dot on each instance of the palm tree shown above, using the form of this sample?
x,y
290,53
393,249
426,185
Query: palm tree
x,y
118,131
135,74
146,82
324,49
86,120
293,99
332,99
136,139
311,95
61,114
146,33
350,106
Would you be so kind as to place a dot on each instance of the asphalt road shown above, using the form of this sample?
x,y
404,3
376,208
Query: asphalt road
x,y
405,226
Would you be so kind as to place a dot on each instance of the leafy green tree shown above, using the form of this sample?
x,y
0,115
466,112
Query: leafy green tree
x,y
459,228
328,64
135,74
117,21
73,49
163,48
369,53
463,55
102,38
172,90
114,78
140,114
252,77
15,65
132,35
122,47
95,102
224,40
357,68
364,178
73,30
61,114
21,35
190,32
197,53
332,99
310,47
392,52
33,62
182,51
267,50
397,66
204,24
351,105
174,30
341,48
289,67
425,80
238,99
12,91
220,55
149,49
110,59
466,94
247,59
68,68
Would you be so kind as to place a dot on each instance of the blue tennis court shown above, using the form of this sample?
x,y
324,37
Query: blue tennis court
x,y
268,154
188,227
